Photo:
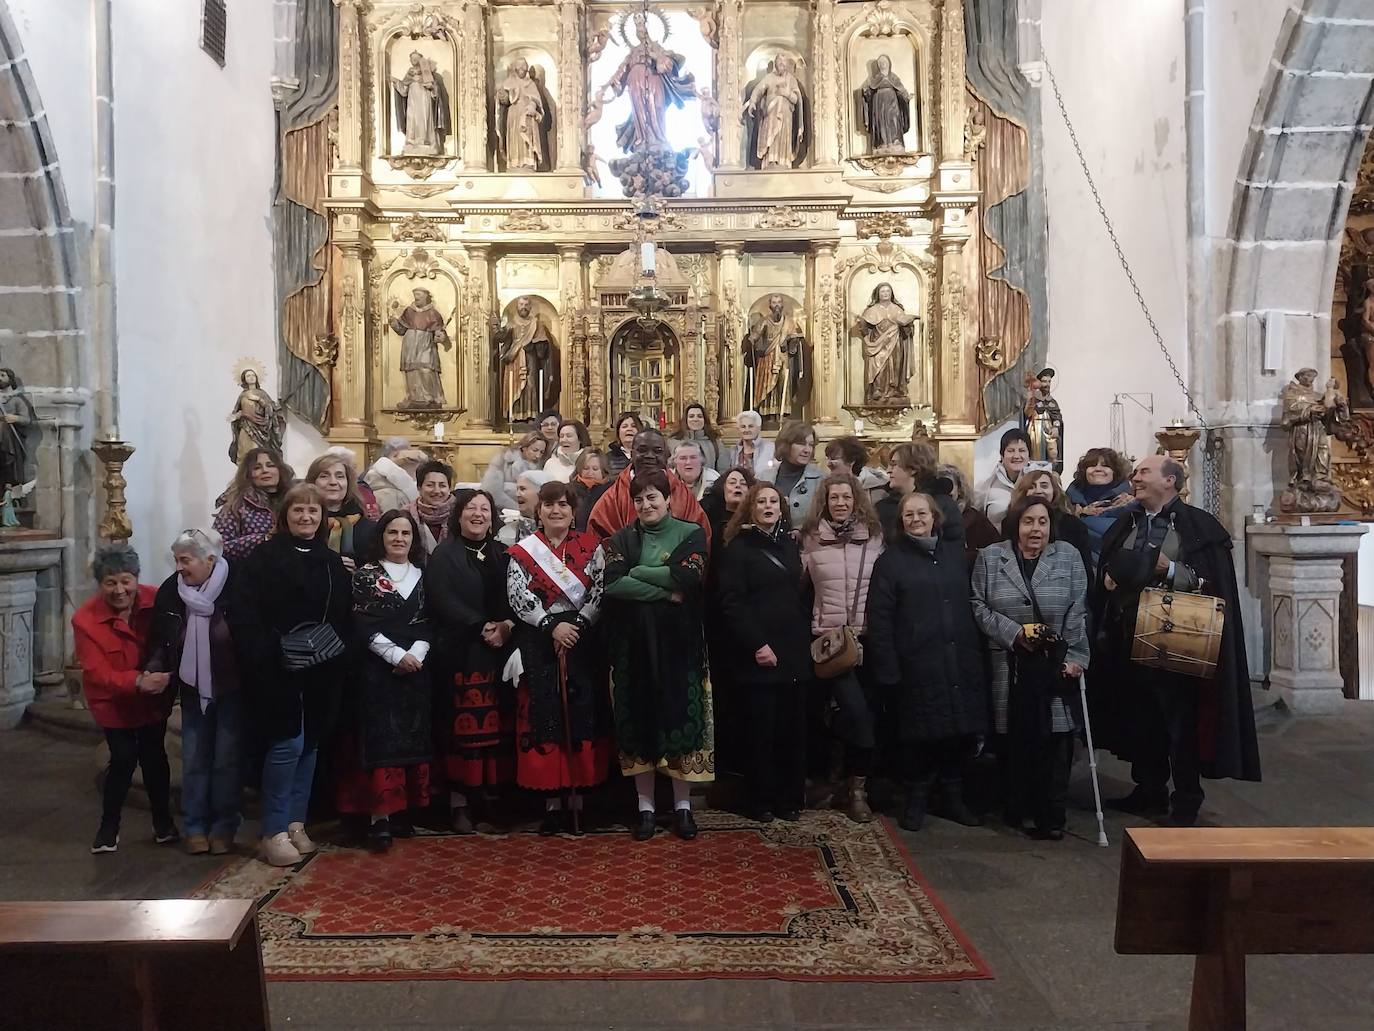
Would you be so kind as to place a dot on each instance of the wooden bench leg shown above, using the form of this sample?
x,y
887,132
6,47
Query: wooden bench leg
x,y
1218,1002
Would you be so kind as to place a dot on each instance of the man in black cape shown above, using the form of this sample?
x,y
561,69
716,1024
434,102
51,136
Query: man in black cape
x,y
1169,724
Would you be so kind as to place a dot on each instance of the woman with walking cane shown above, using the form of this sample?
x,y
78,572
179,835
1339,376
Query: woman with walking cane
x,y
554,584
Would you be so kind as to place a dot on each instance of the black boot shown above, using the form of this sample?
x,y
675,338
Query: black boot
x,y
1142,801
644,827
952,804
379,835
913,816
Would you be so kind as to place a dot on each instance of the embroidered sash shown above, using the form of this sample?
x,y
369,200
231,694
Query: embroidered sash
x,y
572,586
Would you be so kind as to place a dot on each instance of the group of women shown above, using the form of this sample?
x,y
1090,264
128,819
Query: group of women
x,y
435,654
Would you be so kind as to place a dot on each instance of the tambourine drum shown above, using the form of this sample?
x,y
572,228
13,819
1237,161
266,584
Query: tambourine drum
x,y
1178,632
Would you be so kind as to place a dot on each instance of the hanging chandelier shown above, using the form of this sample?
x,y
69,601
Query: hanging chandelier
x,y
646,300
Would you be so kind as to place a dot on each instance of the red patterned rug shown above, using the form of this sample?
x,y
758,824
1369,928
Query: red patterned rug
x,y
822,900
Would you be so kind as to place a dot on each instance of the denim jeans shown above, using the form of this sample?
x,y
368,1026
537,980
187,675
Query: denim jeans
x,y
211,779
287,773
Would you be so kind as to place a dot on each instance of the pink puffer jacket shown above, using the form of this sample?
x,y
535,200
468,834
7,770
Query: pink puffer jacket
x,y
833,566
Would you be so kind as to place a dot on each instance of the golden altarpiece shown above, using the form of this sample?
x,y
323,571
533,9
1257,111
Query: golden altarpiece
x,y
509,179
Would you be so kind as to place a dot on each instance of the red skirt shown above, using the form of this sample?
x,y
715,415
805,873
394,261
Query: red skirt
x,y
545,767
481,746
380,791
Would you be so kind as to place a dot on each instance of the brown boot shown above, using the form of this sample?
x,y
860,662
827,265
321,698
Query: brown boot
x,y
857,809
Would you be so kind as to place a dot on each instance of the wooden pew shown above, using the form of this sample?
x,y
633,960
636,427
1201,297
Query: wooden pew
x,y
151,965
1225,893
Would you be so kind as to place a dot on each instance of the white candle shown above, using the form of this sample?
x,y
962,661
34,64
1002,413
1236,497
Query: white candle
x,y
858,426
647,258
438,431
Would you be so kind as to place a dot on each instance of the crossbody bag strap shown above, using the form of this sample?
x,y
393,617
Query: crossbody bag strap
x,y
858,580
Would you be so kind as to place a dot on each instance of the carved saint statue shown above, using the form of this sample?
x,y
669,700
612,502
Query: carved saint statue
x,y
257,420
522,117
776,114
886,109
422,332
530,376
1042,420
422,108
774,356
18,440
1310,416
889,334
654,77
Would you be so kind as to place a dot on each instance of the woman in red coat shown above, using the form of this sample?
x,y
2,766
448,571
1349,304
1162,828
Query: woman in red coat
x,y
128,703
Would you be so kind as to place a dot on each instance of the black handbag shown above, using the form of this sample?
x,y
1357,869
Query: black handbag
x,y
310,644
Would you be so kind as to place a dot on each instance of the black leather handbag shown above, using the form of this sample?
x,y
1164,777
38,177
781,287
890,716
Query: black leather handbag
x,y
311,644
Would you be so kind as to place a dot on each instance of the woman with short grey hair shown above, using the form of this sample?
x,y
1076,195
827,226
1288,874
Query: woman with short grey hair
x,y
192,643
753,451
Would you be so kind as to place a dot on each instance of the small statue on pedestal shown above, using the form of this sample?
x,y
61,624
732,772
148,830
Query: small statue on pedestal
x,y
17,439
257,420
529,375
774,354
1043,421
1310,417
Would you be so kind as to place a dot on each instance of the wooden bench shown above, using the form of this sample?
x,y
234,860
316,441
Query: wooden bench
x,y
150,965
1222,894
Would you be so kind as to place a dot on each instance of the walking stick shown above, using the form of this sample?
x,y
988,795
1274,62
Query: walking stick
x,y
1092,760
567,741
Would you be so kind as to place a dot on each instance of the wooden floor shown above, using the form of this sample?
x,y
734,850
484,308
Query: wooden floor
x,y
1041,914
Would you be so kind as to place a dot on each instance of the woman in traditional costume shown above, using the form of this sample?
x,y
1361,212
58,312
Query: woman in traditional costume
x,y
655,572
554,584
384,757
466,587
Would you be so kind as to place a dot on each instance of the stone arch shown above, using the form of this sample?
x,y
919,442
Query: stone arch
x,y
40,326
1278,266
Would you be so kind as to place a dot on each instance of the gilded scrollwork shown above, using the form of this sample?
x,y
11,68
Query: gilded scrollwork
x,y
523,222
988,353
780,217
418,229
882,224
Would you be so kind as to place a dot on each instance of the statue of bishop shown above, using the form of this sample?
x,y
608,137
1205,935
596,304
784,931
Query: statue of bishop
x,y
528,365
774,354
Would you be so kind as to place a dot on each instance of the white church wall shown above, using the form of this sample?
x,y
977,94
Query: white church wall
x,y
194,168
1120,68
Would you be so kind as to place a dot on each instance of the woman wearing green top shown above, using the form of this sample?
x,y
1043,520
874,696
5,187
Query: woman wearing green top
x,y
654,573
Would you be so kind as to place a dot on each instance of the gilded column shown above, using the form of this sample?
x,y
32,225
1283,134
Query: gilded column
x,y
731,324
729,59
828,310
351,106
953,100
572,339
481,311
955,367
824,140
475,87
572,86
350,320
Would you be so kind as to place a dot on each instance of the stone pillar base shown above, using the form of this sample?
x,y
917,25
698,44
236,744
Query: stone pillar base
x,y
18,592
1301,594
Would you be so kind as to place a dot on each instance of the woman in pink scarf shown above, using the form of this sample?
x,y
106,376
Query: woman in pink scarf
x,y
190,639
434,505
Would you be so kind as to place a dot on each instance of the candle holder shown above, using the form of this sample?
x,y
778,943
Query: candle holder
x,y
113,454
1177,440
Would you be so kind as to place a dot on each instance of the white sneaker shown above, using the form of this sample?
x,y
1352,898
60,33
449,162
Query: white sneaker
x,y
279,851
296,831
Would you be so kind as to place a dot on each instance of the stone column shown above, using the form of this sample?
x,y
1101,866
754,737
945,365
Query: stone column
x,y
729,62
828,308
572,86
352,127
474,86
826,112
18,592
1303,609
732,322
571,302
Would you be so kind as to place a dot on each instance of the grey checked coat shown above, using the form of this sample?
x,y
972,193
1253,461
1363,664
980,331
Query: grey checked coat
x,y
1002,604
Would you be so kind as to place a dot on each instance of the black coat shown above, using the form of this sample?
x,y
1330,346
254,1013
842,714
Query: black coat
x,y
889,509
462,601
1227,746
168,636
923,645
761,602
279,588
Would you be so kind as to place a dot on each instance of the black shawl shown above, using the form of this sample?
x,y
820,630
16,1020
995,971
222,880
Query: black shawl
x,y
393,710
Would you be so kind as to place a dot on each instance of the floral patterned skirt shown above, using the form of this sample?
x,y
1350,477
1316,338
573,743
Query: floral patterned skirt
x,y
481,742
381,791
